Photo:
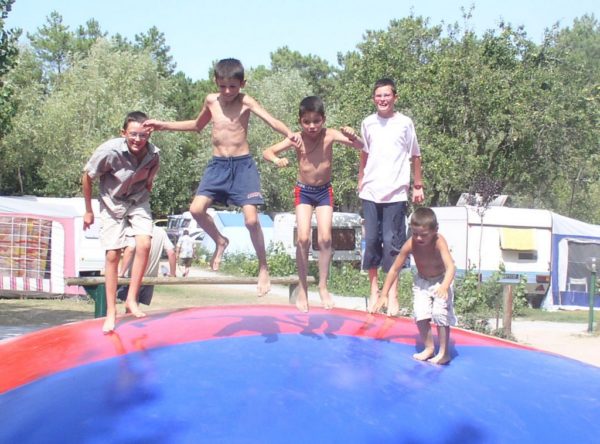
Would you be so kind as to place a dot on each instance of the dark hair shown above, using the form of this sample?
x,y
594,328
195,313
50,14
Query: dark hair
x,y
424,217
385,82
229,69
312,104
134,116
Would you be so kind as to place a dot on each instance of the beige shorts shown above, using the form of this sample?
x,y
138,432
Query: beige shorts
x,y
428,305
114,231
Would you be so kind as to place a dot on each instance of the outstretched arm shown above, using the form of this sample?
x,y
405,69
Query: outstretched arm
x,y
350,138
184,125
277,125
271,154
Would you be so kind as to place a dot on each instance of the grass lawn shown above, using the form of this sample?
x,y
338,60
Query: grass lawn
x,y
578,316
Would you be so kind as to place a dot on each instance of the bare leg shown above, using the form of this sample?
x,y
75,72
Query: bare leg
x,y
324,222
258,241
427,338
199,210
374,284
392,305
303,228
111,266
138,268
443,357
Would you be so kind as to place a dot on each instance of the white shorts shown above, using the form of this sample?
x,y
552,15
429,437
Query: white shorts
x,y
428,305
136,221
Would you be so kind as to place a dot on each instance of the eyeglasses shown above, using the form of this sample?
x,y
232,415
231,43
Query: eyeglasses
x,y
134,135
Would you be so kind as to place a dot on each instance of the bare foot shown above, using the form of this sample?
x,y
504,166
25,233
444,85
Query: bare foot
x,y
109,324
424,355
302,301
215,261
373,301
440,359
264,282
302,306
326,299
134,309
393,309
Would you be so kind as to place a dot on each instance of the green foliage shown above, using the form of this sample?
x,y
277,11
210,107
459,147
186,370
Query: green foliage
x,y
8,55
491,105
475,303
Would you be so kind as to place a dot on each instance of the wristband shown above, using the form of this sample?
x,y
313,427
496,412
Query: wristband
x,y
417,187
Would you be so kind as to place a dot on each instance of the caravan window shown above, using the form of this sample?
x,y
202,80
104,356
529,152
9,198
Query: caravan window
x,y
25,247
341,239
579,254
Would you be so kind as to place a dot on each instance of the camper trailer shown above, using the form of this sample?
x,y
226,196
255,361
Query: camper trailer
x,y
346,236
231,225
42,241
548,249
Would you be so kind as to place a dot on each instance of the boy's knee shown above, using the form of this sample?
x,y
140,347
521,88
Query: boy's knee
x,y
324,243
303,242
252,223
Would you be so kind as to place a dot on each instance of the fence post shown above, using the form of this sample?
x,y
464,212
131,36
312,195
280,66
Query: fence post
x,y
508,303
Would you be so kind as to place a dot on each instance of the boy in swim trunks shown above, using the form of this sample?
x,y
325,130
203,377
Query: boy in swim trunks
x,y
231,177
432,286
313,190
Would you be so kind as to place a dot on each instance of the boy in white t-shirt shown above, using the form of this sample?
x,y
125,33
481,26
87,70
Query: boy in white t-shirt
x,y
390,148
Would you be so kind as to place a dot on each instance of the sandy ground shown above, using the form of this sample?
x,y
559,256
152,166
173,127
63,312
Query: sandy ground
x,y
20,316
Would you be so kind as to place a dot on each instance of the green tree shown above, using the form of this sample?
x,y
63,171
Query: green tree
x,y
154,42
53,44
317,72
8,55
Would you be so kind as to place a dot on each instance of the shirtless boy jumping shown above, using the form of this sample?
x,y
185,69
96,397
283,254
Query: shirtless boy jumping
x,y
231,175
313,190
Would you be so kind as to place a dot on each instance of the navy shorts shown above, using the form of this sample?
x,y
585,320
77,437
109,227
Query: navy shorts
x,y
315,196
232,180
385,233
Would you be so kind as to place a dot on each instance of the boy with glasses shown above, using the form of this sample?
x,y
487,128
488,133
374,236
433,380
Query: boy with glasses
x,y
125,168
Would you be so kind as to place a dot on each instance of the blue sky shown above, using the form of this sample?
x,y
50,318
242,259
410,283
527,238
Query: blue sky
x,y
200,32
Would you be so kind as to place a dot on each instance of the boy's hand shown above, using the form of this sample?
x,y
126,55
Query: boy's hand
x,y
88,220
349,133
281,162
442,292
153,124
418,196
296,141
381,302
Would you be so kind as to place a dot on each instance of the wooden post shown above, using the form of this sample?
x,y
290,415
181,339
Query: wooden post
x,y
508,303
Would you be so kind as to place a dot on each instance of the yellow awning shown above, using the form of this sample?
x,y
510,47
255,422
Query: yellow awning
x,y
520,239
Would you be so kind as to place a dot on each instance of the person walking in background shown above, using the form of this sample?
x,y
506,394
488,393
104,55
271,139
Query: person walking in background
x,y
185,252
390,148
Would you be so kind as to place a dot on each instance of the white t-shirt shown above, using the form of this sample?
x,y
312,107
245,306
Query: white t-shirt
x,y
186,246
390,144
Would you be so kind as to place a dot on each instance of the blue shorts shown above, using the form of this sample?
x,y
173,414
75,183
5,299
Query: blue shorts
x,y
232,180
315,196
385,233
